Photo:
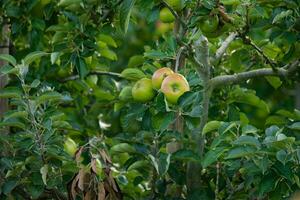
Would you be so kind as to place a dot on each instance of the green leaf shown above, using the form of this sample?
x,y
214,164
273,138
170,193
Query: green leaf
x,y
267,184
125,12
13,124
81,67
186,155
10,92
109,54
8,58
262,163
154,163
272,130
153,54
102,94
281,156
281,16
136,61
247,140
212,156
164,163
275,82
44,172
54,57
275,120
249,129
8,186
210,126
107,39
33,57
249,97
61,27
35,83
15,114
48,96
167,120
7,69
240,152
122,147
295,126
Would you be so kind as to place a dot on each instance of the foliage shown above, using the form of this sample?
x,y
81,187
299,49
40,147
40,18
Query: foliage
x,y
73,62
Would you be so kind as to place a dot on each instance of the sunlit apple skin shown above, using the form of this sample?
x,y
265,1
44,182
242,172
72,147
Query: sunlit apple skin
x,y
166,16
159,75
173,86
142,91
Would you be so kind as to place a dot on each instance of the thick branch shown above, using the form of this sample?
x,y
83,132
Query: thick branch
x,y
71,78
203,68
236,78
225,45
201,58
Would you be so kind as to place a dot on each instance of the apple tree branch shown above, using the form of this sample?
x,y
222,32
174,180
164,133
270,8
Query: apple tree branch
x,y
236,78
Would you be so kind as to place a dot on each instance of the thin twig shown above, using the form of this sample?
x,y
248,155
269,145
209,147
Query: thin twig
x,y
71,78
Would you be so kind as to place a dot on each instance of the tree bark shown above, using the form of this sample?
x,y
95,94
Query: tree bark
x,y
4,49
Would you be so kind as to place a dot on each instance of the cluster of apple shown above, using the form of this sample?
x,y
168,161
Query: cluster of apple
x,y
171,84
166,18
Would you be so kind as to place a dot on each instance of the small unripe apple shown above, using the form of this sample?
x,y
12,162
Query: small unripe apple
x,y
142,91
209,24
159,75
173,86
70,146
166,16
162,28
176,4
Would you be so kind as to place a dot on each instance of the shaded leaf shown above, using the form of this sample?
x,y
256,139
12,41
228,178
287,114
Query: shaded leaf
x,y
240,152
8,58
212,156
125,12
33,57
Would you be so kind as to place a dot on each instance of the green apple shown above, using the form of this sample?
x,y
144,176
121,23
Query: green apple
x,y
173,86
209,24
162,28
142,91
166,16
159,75
70,146
176,4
